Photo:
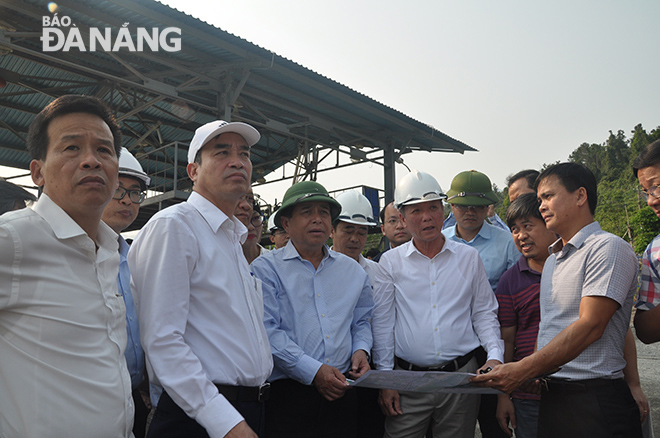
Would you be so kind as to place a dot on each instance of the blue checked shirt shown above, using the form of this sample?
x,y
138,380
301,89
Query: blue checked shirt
x,y
314,316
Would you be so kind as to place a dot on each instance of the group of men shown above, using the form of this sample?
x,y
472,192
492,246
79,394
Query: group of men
x,y
267,348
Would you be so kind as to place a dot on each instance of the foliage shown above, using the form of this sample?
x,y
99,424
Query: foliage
x,y
620,208
645,226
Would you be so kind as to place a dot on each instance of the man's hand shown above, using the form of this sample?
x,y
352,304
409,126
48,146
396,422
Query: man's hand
x,y
241,430
359,364
489,365
330,383
505,413
389,402
506,377
642,402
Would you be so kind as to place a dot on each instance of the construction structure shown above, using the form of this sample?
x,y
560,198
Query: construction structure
x,y
161,94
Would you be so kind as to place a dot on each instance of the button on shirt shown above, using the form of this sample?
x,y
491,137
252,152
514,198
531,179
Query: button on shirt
x,y
649,291
592,263
314,316
496,248
430,311
134,354
200,309
62,329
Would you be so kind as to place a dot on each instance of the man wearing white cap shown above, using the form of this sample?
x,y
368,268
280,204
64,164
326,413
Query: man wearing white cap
x,y
201,312
119,214
434,311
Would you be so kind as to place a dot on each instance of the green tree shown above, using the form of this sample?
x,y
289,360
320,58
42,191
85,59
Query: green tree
x,y
645,226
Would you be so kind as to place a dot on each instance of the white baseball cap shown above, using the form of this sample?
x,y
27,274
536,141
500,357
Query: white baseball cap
x,y
205,133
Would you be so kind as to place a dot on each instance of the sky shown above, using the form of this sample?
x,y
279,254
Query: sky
x,y
523,82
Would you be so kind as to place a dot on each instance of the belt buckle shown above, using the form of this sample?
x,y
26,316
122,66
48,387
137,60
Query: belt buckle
x,y
264,391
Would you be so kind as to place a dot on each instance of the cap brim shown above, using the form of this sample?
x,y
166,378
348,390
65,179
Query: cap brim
x,y
335,208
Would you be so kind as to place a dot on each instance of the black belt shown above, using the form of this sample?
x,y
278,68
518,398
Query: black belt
x,y
245,393
452,365
572,386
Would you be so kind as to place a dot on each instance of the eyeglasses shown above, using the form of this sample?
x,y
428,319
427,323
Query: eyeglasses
x,y
257,221
136,196
652,191
464,208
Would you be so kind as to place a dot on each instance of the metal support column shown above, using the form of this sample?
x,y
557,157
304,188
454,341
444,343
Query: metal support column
x,y
389,173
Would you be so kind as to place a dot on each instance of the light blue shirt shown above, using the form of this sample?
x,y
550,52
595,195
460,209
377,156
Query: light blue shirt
x,y
496,248
314,316
134,354
498,222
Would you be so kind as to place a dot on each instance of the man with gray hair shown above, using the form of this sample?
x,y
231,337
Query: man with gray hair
x,y
435,311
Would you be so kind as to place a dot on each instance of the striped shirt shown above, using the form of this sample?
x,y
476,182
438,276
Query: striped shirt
x,y
518,298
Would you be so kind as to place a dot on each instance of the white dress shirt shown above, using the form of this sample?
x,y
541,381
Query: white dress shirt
x,y
62,329
200,310
369,267
430,311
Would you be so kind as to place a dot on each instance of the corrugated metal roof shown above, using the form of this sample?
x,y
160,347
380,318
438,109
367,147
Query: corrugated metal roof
x,y
162,97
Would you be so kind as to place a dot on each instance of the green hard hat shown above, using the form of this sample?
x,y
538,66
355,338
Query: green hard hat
x,y
306,191
471,188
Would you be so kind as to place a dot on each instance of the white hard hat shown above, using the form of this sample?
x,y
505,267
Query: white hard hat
x,y
130,166
271,224
356,209
417,187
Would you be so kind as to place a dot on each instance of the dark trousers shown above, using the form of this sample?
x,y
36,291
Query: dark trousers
x,y
141,413
170,421
588,408
488,424
370,419
295,410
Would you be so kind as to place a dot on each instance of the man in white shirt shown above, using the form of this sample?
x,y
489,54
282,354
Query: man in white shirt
x,y
62,322
349,237
200,310
434,310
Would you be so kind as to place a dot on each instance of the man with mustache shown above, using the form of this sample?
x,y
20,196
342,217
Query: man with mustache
x,y
200,309
62,321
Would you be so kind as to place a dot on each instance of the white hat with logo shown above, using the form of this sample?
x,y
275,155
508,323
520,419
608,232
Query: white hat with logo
x,y
205,133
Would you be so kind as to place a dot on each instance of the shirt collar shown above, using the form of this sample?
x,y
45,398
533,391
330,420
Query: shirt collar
x,y
576,241
62,224
290,252
64,227
123,247
216,218
409,248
